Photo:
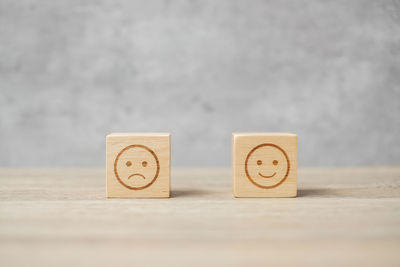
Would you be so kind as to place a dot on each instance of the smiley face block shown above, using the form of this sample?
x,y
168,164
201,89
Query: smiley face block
x,y
138,165
264,165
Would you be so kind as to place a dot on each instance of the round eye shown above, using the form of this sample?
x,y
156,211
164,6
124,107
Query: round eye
x,y
275,162
259,162
144,163
128,163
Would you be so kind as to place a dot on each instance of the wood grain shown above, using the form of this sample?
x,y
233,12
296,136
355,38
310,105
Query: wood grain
x,y
60,217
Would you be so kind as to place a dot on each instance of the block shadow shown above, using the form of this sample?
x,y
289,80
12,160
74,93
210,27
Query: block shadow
x,y
309,192
188,192
347,192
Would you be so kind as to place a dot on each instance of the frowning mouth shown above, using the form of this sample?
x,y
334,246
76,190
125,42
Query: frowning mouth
x,y
265,176
136,174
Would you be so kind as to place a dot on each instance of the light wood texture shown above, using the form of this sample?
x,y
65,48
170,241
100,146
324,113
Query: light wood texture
x,y
138,165
264,164
341,217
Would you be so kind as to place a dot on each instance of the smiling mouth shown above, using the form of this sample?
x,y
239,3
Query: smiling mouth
x,y
136,174
264,176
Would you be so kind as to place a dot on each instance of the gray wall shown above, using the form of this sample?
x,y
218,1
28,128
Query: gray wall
x,y
73,71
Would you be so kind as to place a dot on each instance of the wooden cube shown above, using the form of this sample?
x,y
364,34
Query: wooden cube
x,y
138,165
264,164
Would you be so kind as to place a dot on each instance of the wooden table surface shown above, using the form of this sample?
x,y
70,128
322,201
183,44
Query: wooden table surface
x,y
60,217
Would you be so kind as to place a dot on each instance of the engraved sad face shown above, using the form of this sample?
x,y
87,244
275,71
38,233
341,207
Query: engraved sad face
x,y
267,166
136,167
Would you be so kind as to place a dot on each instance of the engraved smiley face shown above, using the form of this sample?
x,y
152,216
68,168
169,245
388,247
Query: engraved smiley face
x,y
267,166
136,167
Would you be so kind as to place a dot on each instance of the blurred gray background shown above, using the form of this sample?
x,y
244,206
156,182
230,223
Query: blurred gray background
x,y
73,71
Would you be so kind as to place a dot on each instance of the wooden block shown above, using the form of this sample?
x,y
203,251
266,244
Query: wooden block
x,y
138,165
264,164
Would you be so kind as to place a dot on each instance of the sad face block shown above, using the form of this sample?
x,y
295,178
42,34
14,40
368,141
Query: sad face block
x,y
264,165
138,165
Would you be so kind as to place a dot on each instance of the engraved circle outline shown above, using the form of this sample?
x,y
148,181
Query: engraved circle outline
x,y
133,187
249,176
